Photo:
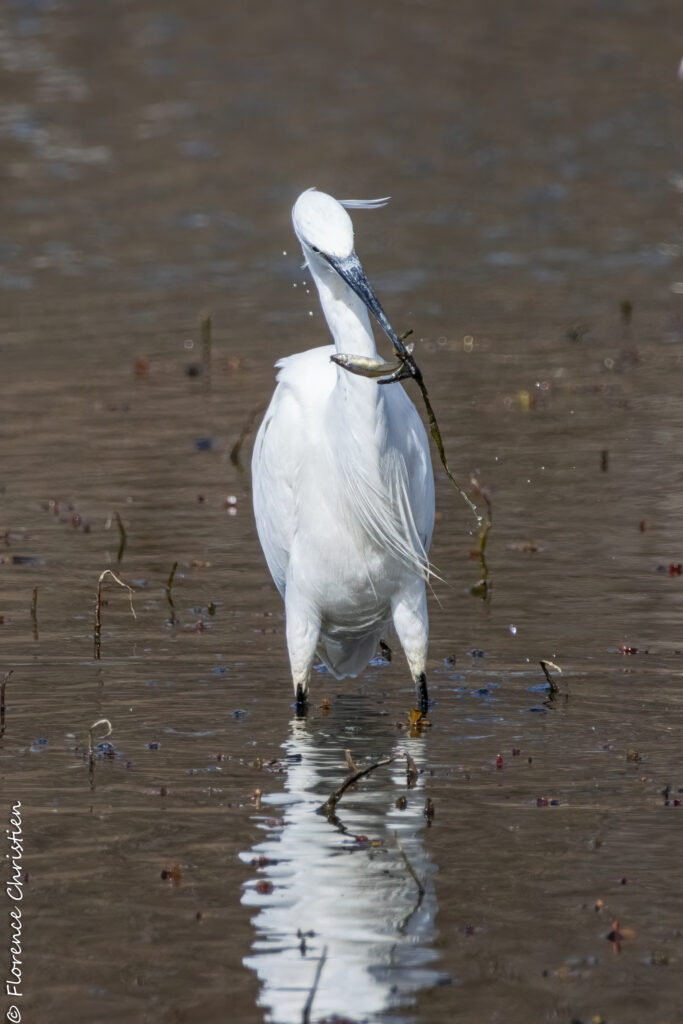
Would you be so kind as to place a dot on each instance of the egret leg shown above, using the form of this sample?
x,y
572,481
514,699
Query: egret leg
x,y
303,631
409,612
422,695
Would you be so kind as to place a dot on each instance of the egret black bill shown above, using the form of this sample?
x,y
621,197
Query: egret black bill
x,y
350,270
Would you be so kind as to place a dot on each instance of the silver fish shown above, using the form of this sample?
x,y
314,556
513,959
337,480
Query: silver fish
x,y
364,366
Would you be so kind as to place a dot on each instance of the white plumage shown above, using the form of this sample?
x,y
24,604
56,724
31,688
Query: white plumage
x,y
342,478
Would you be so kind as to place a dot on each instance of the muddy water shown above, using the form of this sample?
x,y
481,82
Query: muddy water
x,y
150,157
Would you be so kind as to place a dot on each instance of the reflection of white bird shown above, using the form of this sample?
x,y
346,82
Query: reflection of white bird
x,y
343,484
318,888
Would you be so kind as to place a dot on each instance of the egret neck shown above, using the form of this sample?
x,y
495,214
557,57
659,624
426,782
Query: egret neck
x,y
346,314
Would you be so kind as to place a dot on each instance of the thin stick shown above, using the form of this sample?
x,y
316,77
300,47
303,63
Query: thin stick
x,y
436,434
306,1013
482,588
352,766
123,536
205,322
411,771
420,888
98,608
34,613
247,429
413,370
328,807
91,748
545,665
169,592
3,687
411,870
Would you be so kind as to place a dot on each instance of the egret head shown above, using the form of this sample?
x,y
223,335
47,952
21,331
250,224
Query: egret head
x,y
322,225
325,231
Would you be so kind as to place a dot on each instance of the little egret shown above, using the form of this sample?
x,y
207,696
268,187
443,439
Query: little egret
x,y
342,477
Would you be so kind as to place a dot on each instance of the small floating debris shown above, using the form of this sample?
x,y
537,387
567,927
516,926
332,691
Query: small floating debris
x,y
94,750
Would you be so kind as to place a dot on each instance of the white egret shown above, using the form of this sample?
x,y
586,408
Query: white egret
x,y
342,477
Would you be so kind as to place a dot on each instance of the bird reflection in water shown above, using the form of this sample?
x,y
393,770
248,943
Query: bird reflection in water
x,y
358,887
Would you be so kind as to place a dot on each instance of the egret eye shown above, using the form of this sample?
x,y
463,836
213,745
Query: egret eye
x,y
315,248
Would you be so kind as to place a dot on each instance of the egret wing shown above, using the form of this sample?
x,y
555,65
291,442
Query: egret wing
x,y
272,479
393,495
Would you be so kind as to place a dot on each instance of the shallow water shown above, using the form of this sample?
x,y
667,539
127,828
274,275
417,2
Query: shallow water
x,y
151,155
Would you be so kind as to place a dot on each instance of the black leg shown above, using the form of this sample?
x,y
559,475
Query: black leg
x,y
301,702
422,695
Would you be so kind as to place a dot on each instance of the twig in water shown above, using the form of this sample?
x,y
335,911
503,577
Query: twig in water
x,y
91,748
420,888
482,589
436,434
328,807
546,665
169,592
98,607
34,613
411,771
123,536
411,869
626,310
205,321
247,429
306,1013
3,687
429,811
352,766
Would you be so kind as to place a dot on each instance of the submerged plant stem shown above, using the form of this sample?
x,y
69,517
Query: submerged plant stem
x,y
98,608
123,537
329,806
3,686
205,324
306,1013
169,592
34,613
546,665
409,866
